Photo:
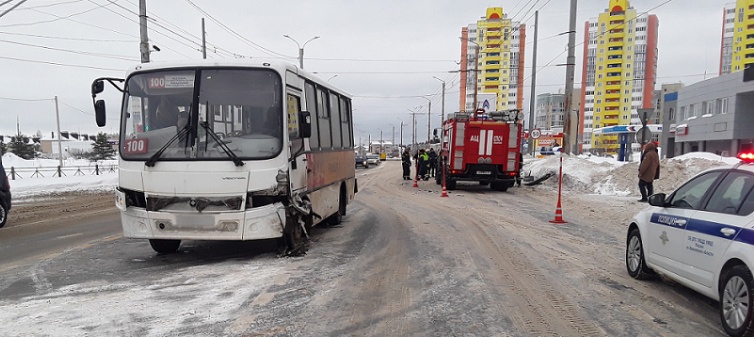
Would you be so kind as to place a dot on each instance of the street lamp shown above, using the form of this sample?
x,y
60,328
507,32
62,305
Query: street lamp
x,y
442,119
301,49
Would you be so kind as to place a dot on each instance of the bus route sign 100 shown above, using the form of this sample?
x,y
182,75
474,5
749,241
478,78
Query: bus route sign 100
x,y
135,146
171,81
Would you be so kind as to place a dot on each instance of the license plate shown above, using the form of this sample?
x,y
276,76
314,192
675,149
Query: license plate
x,y
483,172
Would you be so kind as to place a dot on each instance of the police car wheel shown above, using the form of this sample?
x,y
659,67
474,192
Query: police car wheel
x,y
736,301
3,214
635,264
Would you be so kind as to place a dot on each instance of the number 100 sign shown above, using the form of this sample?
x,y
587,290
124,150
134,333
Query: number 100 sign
x,y
135,146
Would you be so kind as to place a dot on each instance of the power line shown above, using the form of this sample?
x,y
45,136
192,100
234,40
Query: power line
x,y
158,32
239,36
119,57
57,18
58,64
50,5
68,38
27,99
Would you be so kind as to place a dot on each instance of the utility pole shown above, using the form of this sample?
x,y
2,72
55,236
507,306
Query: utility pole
x,y
570,65
60,147
429,115
204,41
533,99
442,119
144,44
413,127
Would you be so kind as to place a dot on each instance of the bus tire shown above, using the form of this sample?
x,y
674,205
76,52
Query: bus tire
x,y
292,243
337,218
165,246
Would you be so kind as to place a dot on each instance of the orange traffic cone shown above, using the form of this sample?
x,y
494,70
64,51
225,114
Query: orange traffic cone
x,y
559,211
444,193
558,215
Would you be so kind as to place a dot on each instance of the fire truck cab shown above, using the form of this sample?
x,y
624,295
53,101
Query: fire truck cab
x,y
483,147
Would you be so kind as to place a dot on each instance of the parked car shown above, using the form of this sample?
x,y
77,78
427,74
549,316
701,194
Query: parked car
x,y
702,236
373,159
361,161
5,197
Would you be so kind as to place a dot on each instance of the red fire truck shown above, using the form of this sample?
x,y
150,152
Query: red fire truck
x,y
483,147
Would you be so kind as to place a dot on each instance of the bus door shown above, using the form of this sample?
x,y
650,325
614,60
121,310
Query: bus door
x,y
297,152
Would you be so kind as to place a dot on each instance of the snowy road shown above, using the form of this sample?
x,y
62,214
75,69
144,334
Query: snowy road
x,y
404,262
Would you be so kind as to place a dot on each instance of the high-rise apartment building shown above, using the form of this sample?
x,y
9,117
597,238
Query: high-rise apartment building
x,y
619,74
737,45
492,63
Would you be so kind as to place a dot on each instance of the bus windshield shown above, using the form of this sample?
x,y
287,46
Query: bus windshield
x,y
242,107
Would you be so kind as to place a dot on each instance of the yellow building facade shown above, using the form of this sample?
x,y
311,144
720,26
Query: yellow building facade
x,y
497,45
743,35
620,60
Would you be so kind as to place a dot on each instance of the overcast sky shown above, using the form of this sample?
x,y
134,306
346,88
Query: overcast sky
x,y
384,53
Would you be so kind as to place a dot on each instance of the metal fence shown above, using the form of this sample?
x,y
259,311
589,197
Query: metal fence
x,y
58,171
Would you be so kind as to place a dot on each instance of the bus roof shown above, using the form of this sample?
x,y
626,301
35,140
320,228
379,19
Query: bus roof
x,y
278,65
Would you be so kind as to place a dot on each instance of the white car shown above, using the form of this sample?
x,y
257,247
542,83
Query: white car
x,y
373,159
702,236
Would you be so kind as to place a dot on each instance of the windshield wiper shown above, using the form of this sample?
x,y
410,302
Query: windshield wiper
x,y
221,143
153,159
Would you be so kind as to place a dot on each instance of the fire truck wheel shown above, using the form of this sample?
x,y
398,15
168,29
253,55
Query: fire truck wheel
x,y
450,184
499,186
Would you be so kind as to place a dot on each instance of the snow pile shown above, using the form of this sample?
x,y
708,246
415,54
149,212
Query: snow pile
x,y
607,176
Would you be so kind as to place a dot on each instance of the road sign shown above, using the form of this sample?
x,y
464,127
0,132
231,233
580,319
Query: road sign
x,y
645,115
644,135
536,133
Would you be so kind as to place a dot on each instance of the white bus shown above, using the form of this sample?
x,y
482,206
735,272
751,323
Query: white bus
x,y
216,150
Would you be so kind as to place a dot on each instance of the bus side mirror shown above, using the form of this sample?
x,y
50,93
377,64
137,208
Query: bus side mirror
x,y
97,87
99,112
305,124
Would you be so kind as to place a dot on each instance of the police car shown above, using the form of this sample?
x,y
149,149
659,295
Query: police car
x,y
702,236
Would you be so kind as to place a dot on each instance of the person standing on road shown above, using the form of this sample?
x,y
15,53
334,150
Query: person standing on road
x,y
432,162
648,169
423,160
406,161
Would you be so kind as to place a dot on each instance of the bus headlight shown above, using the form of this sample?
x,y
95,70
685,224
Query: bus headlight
x,y
120,200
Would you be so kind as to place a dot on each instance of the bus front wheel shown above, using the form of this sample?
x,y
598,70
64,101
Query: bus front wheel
x,y
165,246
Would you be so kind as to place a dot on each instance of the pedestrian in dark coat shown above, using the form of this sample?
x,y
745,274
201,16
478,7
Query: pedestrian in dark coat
x,y
648,169
423,165
432,162
406,161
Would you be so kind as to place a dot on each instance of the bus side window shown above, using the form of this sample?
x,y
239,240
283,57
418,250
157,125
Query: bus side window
x,y
294,107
